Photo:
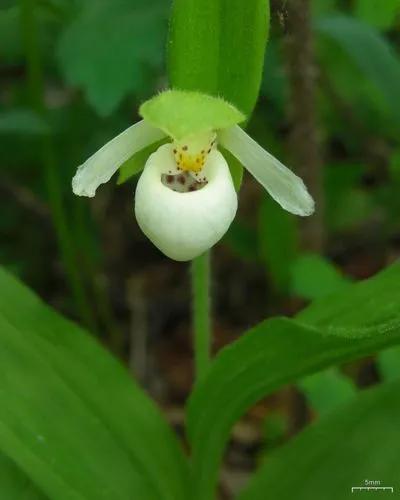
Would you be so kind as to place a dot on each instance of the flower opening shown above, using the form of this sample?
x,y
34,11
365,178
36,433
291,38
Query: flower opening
x,y
192,151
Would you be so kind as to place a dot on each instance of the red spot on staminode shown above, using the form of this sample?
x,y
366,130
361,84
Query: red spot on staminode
x,y
182,180
170,179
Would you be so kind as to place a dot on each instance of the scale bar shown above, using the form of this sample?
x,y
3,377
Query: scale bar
x,y
360,488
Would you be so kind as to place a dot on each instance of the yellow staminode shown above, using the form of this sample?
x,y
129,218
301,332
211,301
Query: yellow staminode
x,y
191,152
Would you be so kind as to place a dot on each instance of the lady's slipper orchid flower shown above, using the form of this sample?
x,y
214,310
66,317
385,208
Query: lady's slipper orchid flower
x,y
185,198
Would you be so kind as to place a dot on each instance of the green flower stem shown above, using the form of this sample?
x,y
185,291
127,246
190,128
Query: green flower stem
x,y
50,172
201,313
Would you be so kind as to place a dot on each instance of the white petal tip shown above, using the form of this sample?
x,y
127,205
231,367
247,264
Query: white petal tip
x,y
285,187
306,205
79,189
101,166
308,211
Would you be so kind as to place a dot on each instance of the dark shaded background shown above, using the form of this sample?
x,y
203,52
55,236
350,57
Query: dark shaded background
x,y
329,106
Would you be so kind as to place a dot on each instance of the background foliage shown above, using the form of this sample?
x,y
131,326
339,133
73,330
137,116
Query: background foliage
x,y
72,76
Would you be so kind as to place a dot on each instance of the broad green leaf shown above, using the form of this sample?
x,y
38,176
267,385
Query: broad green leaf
x,y
110,47
357,442
70,417
278,241
179,113
370,52
313,276
22,121
217,47
358,321
14,484
327,390
377,13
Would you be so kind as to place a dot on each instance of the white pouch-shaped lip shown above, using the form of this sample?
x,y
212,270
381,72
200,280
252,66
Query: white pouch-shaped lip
x,y
183,225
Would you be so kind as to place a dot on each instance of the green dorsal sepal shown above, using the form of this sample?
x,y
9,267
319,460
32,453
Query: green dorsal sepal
x,y
181,113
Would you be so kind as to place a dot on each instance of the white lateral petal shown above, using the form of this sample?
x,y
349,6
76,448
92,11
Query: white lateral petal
x,y
184,225
281,183
101,166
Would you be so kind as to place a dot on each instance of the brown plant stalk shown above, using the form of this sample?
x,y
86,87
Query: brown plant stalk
x,y
304,137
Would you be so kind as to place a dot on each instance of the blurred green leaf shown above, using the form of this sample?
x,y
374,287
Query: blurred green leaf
x,y
313,276
370,52
347,203
56,421
217,47
350,104
328,389
242,240
359,320
388,363
352,208
394,166
275,428
377,13
6,4
23,121
320,7
274,85
340,177
14,484
358,441
108,49
278,241
11,44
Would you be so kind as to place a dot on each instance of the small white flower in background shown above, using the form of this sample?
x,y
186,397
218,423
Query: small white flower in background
x,y
185,199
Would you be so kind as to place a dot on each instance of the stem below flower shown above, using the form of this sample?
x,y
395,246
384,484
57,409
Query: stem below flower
x,y
201,313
